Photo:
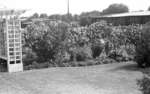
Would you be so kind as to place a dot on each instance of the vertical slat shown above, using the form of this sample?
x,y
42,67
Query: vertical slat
x,y
14,40
7,43
20,42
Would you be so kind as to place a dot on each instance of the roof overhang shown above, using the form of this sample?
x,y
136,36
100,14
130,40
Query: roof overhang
x,y
127,14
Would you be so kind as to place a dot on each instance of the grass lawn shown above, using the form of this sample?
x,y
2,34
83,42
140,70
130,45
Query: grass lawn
x,y
116,78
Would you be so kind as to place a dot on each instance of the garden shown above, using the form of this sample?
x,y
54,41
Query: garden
x,y
59,44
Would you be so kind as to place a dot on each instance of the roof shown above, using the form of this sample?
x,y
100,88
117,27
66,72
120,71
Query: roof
x,y
30,21
28,13
9,12
127,14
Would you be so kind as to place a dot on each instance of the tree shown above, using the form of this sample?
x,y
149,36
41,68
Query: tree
x,y
116,8
43,15
35,15
76,17
65,17
85,17
85,21
55,17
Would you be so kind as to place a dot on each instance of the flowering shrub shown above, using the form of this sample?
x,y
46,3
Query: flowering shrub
x,y
96,33
46,39
59,41
144,84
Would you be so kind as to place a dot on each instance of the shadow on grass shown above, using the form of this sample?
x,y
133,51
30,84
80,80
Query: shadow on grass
x,y
128,67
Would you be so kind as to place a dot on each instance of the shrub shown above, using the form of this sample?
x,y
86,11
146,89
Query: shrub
x,y
144,85
28,56
98,32
120,54
143,48
81,54
47,39
96,50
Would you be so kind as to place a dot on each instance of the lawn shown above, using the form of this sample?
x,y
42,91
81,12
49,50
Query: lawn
x,y
116,78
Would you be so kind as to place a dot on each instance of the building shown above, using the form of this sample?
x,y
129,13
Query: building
x,y
140,17
10,40
26,22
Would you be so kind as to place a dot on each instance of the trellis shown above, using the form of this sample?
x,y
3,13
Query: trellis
x,y
10,40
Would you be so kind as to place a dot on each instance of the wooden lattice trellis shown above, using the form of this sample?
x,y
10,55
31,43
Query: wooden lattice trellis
x,y
10,39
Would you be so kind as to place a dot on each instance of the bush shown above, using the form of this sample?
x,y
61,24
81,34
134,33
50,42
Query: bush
x,y
46,39
120,55
144,85
81,53
97,33
28,56
81,56
143,48
96,50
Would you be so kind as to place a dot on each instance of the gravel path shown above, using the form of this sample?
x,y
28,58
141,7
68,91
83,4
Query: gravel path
x,y
118,78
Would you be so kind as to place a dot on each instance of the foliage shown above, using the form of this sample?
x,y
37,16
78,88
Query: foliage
x,y
84,21
124,40
66,17
83,53
132,34
120,55
143,48
144,84
55,17
35,15
85,17
81,56
98,31
99,34
59,42
28,56
44,15
97,50
135,39
78,41
46,39
115,8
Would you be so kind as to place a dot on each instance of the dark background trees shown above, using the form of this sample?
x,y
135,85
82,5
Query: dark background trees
x,y
43,15
116,8
83,19
35,15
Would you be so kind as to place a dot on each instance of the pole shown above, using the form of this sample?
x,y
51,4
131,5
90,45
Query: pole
x,y
68,8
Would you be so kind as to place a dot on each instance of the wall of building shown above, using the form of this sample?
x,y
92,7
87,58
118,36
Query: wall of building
x,y
128,20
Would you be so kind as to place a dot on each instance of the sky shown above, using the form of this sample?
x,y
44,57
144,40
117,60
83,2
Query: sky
x,y
76,6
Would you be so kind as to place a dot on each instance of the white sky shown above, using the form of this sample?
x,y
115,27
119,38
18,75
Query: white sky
x,y
76,6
